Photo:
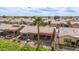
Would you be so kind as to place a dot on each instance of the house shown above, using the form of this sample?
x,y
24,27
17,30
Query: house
x,y
45,32
59,23
74,24
4,20
10,28
68,36
16,20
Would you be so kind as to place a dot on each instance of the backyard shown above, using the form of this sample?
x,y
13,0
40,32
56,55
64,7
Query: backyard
x,y
6,45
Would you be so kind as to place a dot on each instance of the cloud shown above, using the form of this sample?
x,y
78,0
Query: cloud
x,y
41,11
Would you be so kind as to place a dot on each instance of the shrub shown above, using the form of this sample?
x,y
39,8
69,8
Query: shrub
x,y
6,45
27,48
9,46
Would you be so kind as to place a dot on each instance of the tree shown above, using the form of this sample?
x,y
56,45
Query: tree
x,y
56,17
38,21
53,39
4,16
69,24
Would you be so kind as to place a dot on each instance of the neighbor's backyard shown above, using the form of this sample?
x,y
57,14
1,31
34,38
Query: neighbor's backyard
x,y
6,45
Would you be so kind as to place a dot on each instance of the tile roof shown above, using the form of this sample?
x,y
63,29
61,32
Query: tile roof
x,y
33,29
69,31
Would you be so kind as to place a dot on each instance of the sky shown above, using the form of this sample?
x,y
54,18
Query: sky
x,y
39,11
39,7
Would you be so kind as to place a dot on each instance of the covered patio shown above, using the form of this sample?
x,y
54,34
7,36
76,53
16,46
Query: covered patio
x,y
45,34
9,30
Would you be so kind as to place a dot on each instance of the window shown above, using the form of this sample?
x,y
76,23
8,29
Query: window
x,y
73,43
35,35
48,37
77,43
42,36
67,40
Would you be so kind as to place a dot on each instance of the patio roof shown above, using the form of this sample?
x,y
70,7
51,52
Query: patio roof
x,y
8,27
33,29
59,22
74,32
74,22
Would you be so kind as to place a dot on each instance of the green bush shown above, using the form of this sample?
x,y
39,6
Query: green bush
x,y
6,45
55,45
27,48
4,16
9,46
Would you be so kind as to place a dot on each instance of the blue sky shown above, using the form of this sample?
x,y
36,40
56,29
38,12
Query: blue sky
x,y
39,11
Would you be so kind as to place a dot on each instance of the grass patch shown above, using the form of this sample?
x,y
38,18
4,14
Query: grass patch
x,y
6,45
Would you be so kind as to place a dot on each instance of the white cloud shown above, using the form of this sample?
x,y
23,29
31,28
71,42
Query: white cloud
x,y
42,11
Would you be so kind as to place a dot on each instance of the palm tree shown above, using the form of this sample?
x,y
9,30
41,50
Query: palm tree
x,y
38,21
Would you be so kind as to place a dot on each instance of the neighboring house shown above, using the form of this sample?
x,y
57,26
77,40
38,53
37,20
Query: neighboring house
x,y
74,24
16,20
10,28
59,23
69,36
20,21
4,20
45,32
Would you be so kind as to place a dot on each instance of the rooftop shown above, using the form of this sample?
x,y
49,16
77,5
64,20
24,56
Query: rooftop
x,y
74,22
9,26
69,31
33,29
